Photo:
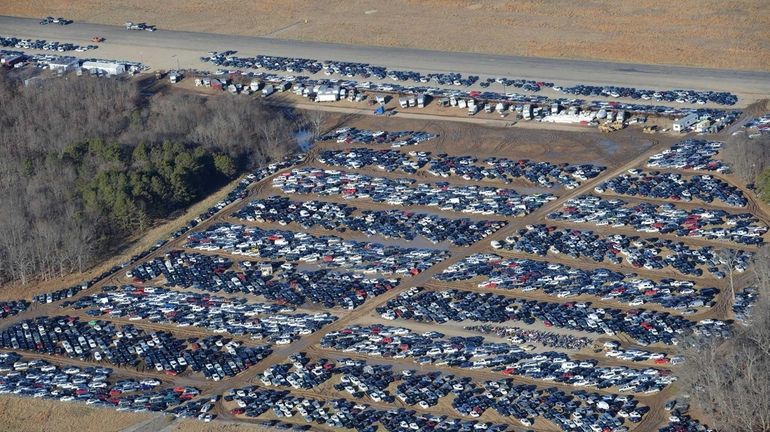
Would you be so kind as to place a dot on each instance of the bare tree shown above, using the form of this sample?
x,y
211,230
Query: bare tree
x,y
317,119
729,259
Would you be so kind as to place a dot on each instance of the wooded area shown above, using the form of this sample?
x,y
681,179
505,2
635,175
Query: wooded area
x,y
749,158
730,379
87,161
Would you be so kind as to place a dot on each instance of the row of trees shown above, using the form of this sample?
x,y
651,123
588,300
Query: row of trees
x,y
87,161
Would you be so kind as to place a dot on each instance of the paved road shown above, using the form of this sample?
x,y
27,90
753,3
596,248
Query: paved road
x,y
165,49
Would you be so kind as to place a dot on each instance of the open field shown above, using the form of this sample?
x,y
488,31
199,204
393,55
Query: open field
x,y
736,35
28,415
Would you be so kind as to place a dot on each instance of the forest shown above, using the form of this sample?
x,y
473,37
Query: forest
x,y
87,162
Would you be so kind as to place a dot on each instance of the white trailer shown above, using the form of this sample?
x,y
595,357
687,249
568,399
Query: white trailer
x,y
526,112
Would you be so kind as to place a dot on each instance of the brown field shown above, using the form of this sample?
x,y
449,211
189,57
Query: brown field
x,y
33,415
706,33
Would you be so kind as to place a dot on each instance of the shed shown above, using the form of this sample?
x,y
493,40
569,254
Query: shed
x,y
327,93
685,122
63,64
110,68
11,59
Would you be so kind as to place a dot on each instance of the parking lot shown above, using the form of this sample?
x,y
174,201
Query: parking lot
x,y
421,288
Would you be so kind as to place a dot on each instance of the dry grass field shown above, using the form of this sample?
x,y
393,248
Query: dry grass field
x,y
706,33
34,415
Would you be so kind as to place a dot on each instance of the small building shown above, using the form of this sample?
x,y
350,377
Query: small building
x,y
526,112
283,86
327,94
266,269
684,123
10,60
702,126
109,68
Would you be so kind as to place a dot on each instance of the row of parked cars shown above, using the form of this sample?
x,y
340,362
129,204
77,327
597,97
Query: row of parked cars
x,y
674,186
91,385
648,253
12,307
42,44
385,160
273,63
386,223
328,251
190,309
52,20
474,353
198,408
526,336
528,85
646,327
396,139
367,71
214,357
544,174
684,423
347,69
484,200
346,414
758,126
691,154
563,281
667,218
681,96
579,410
613,349
276,281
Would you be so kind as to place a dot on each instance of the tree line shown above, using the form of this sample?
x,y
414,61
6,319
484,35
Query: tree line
x,y
88,161
729,379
